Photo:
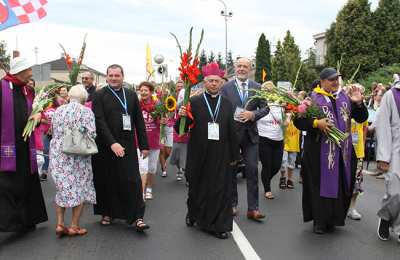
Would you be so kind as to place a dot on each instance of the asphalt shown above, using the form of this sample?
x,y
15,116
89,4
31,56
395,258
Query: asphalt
x,y
282,236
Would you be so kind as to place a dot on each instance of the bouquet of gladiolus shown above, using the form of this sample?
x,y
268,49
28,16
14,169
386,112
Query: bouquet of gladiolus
x,y
40,102
300,109
164,109
74,67
189,71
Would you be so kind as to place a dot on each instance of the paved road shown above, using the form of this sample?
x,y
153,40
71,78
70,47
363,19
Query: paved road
x,y
281,236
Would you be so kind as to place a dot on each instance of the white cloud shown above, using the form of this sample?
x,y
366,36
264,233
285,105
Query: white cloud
x,y
118,30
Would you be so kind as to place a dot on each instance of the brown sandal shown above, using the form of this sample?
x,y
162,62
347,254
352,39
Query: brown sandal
x,y
141,226
61,231
77,231
269,195
105,221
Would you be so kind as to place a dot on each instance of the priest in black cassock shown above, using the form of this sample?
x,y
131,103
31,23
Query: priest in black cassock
x,y
212,148
115,168
21,201
328,170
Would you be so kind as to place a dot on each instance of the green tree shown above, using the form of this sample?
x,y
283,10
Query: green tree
x,y
387,27
211,58
230,64
353,37
202,62
332,53
292,58
4,57
278,64
263,59
220,61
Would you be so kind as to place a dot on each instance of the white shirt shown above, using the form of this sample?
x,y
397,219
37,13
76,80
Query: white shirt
x,y
270,125
243,89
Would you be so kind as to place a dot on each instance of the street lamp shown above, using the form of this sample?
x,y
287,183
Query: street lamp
x,y
226,15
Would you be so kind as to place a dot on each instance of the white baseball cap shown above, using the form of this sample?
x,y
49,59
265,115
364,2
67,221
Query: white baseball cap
x,y
19,64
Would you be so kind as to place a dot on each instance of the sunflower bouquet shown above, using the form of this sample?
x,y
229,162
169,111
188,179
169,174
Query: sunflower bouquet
x,y
42,100
164,109
299,109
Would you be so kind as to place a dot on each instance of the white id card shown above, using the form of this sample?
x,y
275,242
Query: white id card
x,y
126,123
213,131
236,116
354,138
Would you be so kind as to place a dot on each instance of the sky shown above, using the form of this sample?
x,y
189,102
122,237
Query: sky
x,y
118,30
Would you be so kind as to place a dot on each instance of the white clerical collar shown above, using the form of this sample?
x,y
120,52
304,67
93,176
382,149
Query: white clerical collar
x,y
212,95
239,82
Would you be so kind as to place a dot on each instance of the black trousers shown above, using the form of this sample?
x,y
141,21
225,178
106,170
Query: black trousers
x,y
270,154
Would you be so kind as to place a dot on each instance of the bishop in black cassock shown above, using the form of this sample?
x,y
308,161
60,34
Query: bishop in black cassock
x,y
212,148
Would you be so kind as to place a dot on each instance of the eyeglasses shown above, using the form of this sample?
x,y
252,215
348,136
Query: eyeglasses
x,y
84,78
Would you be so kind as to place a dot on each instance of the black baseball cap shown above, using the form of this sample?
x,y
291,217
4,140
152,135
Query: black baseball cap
x,y
328,73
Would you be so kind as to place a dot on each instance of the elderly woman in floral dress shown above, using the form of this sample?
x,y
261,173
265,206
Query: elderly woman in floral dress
x,y
72,174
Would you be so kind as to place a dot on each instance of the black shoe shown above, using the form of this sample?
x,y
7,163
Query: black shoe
x,y
282,183
221,235
189,222
330,228
43,177
318,230
383,230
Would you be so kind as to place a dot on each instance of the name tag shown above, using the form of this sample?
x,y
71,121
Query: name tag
x,y
236,116
354,138
213,131
126,123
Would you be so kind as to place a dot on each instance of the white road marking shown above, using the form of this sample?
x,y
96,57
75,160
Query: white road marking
x,y
244,245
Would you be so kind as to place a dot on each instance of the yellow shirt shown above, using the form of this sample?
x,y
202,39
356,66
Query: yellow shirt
x,y
292,138
357,134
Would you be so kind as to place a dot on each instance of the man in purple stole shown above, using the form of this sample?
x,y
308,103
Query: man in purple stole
x,y
328,182
21,201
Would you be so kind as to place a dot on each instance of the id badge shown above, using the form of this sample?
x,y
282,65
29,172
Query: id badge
x,y
236,116
213,131
126,123
354,138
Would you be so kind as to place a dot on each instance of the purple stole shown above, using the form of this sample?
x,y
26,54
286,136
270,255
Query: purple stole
x,y
330,152
8,152
396,96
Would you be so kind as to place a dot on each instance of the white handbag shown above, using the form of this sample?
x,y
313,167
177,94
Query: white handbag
x,y
78,142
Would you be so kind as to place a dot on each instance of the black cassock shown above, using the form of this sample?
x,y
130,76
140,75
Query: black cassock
x,y
208,165
117,180
324,211
21,200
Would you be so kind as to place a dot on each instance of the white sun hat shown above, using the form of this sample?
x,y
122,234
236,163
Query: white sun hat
x,y
19,64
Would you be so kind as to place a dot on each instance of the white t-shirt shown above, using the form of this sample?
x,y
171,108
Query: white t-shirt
x,y
270,125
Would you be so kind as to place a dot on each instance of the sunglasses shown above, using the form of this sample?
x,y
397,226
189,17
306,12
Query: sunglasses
x,y
84,78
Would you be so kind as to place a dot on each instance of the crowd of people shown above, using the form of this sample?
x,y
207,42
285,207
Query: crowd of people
x,y
226,130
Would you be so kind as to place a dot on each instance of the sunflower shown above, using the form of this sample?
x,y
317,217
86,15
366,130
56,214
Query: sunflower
x,y
170,103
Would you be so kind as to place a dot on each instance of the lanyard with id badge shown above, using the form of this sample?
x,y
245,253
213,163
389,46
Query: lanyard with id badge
x,y
243,97
213,127
126,119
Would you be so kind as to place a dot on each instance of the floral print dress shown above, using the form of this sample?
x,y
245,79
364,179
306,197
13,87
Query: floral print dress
x,y
72,174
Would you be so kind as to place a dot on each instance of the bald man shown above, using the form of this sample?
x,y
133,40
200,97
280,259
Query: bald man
x,y
246,115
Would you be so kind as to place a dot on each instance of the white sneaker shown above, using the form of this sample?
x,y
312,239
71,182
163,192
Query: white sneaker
x,y
164,174
354,215
179,176
149,194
